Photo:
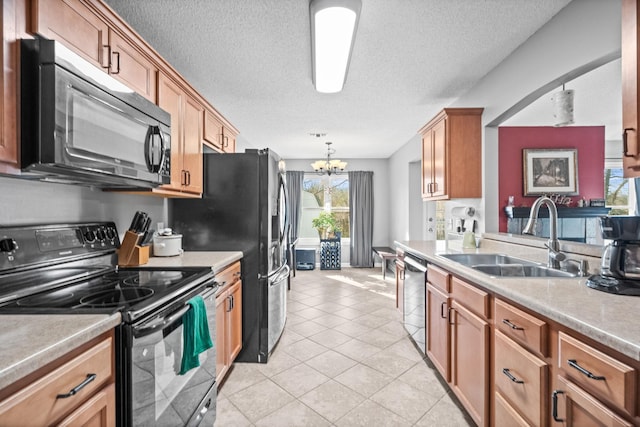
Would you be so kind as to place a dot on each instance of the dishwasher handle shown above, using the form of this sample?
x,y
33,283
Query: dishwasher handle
x,y
415,263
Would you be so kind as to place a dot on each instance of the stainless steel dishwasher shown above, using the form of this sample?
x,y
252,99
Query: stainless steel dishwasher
x,y
415,279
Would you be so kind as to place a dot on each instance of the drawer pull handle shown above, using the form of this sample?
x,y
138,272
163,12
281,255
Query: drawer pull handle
x,y
554,411
574,364
76,389
511,377
512,325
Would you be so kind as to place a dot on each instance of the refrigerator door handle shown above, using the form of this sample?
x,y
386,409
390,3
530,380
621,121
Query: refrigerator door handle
x,y
277,275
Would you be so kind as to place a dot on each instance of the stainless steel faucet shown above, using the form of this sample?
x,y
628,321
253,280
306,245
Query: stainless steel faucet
x,y
555,256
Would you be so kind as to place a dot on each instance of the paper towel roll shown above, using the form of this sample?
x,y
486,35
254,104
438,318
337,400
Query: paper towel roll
x,y
463,212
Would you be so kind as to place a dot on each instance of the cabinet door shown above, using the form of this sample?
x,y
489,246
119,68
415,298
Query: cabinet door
x,y
192,146
212,131
506,416
235,322
98,411
470,361
427,164
439,159
438,331
72,23
9,162
630,77
171,99
131,67
574,407
228,141
221,336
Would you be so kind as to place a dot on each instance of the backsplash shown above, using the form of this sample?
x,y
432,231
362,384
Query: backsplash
x,y
34,202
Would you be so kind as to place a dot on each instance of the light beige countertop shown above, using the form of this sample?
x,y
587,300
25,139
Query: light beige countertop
x,y
28,342
214,259
613,320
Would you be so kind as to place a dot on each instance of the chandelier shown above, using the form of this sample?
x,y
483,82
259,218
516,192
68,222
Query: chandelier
x,y
329,166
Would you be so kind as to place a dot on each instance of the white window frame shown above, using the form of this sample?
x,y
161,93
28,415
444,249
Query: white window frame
x,y
315,241
617,164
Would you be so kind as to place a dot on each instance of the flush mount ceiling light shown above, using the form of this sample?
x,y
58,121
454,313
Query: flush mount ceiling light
x,y
329,166
333,31
563,107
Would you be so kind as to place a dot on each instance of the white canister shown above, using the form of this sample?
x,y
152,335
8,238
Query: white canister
x,y
170,245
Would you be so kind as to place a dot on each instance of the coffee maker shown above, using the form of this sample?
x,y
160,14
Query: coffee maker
x,y
620,266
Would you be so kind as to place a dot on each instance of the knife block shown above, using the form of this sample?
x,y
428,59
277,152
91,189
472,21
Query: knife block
x,y
130,254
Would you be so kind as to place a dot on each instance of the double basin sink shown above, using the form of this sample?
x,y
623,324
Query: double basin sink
x,y
505,266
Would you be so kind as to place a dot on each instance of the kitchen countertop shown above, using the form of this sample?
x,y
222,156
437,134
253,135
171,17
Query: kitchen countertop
x,y
612,320
29,342
214,259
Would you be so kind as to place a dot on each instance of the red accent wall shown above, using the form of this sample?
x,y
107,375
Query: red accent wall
x,y
589,141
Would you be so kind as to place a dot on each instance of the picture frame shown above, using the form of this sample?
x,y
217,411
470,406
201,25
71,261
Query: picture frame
x,y
550,171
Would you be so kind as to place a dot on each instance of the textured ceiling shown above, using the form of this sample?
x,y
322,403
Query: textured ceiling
x,y
251,59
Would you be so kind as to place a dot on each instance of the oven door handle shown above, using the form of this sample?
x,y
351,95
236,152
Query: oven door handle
x,y
161,323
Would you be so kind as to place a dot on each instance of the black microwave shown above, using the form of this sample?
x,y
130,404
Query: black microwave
x,y
79,125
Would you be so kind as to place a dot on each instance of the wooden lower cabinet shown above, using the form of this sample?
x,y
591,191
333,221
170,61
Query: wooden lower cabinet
x,y
470,361
522,378
458,339
89,370
505,416
228,320
574,407
438,338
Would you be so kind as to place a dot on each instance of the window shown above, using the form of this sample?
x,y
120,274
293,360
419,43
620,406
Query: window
x,y
324,192
619,191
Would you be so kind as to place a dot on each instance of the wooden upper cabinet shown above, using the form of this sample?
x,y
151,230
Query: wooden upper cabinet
x,y
216,135
72,23
186,137
78,27
630,107
171,99
130,66
9,161
452,155
212,131
192,145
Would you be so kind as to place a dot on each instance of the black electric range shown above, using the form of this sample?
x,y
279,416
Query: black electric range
x,y
72,268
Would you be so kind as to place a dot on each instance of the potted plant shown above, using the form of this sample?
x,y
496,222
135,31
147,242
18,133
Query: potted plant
x,y
325,223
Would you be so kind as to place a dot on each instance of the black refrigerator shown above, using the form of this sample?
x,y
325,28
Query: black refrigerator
x,y
244,208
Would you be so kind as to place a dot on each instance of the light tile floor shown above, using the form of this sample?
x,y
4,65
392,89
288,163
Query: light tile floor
x,y
344,360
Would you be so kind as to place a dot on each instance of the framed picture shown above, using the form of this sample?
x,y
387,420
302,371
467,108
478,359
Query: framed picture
x,y
550,171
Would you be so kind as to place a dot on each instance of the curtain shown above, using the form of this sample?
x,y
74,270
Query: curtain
x,y
294,191
361,213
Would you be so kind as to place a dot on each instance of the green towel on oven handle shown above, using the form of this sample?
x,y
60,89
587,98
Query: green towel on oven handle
x,y
195,334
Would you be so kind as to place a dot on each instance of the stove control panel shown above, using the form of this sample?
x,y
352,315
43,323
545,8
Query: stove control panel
x,y
22,246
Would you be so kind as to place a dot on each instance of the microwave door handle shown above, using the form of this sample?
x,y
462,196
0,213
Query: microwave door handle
x,y
149,148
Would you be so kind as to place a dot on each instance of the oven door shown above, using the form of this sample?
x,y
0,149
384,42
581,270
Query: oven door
x,y
158,394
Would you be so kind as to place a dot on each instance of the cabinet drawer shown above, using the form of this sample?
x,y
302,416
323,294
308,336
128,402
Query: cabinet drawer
x,y
439,278
598,373
578,408
522,327
521,377
505,415
18,409
470,296
229,275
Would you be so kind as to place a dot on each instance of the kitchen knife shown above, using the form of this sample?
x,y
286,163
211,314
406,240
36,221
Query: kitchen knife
x,y
146,225
140,222
146,238
134,221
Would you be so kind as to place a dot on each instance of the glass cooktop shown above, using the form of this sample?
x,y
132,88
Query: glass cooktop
x,y
108,292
